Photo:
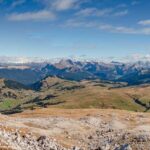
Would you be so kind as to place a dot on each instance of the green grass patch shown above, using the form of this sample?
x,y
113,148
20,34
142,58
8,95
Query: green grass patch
x,y
8,104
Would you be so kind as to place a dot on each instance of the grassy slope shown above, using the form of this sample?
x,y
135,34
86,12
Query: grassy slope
x,y
60,93
93,95
97,97
13,94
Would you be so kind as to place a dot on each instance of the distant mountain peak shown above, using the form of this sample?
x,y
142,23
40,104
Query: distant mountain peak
x,y
70,60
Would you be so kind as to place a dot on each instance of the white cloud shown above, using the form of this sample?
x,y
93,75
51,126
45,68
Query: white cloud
x,y
107,27
117,29
121,6
63,4
144,22
145,31
135,2
76,23
35,16
86,12
121,13
101,12
94,12
18,2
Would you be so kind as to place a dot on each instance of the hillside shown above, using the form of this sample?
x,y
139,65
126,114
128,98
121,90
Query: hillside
x,y
56,92
60,93
13,94
75,129
25,76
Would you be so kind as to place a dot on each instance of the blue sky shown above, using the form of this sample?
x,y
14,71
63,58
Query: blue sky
x,y
61,28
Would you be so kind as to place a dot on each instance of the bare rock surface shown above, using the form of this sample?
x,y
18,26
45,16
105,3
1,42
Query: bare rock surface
x,y
54,129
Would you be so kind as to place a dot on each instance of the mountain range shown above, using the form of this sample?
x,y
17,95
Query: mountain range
x,y
28,73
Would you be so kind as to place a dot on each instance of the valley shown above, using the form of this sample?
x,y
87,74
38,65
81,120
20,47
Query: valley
x,y
64,109
54,92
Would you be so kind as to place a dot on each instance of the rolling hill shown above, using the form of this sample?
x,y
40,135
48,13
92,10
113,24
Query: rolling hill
x,y
60,93
56,92
13,94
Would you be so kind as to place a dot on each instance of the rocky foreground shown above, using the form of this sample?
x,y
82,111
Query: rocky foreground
x,y
89,129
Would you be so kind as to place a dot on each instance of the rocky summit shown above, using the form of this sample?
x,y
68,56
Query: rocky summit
x,y
59,129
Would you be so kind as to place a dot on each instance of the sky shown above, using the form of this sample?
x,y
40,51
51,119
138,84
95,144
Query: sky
x,y
62,28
